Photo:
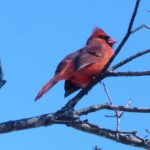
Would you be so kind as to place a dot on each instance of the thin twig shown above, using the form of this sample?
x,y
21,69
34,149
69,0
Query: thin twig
x,y
121,112
94,108
128,74
127,105
147,130
107,93
110,116
110,102
97,148
140,27
130,59
118,116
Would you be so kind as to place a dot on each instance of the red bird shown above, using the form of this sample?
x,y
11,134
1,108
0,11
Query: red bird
x,y
79,68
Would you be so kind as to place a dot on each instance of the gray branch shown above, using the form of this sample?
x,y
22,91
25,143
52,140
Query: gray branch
x,y
129,138
140,27
127,74
130,59
61,118
95,108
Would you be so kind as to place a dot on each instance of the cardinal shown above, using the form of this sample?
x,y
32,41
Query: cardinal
x,y
79,68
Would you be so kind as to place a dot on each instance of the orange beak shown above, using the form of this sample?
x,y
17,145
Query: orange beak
x,y
111,41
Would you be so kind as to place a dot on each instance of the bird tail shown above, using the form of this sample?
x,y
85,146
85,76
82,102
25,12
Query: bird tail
x,y
70,88
46,88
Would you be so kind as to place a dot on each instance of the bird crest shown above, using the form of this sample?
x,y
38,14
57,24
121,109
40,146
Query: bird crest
x,y
98,31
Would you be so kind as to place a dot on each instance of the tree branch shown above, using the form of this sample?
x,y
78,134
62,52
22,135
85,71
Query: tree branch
x,y
130,59
94,108
140,27
118,113
33,122
63,118
97,148
127,74
129,138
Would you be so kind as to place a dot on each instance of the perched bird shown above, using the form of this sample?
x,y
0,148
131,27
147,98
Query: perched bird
x,y
79,68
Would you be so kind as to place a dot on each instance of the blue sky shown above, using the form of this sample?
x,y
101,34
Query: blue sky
x,y
35,35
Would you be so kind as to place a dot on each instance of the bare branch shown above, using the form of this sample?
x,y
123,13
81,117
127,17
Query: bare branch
x,y
110,116
127,105
97,148
107,93
130,139
140,27
130,59
33,122
148,131
118,113
55,118
94,108
121,112
133,15
128,74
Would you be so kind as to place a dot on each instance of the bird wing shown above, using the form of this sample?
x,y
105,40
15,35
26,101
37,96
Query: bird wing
x,y
88,56
64,63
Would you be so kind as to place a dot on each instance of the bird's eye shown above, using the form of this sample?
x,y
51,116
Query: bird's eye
x,y
104,37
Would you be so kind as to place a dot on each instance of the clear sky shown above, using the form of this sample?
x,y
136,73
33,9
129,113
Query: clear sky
x,y
35,35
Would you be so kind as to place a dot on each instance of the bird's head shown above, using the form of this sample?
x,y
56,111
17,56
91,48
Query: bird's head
x,y
99,33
